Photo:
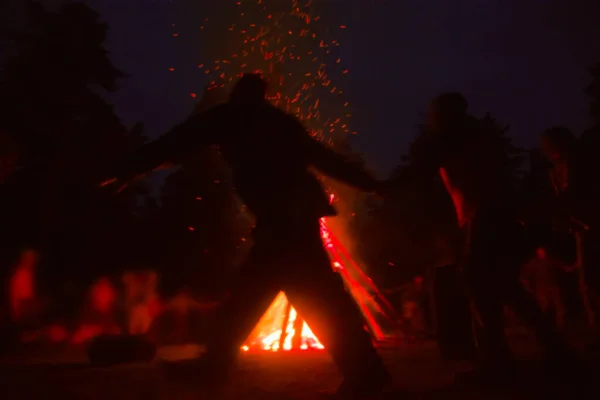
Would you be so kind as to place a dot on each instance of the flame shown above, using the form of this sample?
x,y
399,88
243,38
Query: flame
x,y
268,332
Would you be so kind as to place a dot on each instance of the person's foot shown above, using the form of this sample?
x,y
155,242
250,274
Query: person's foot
x,y
372,384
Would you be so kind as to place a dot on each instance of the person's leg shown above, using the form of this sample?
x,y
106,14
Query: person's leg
x,y
320,296
481,275
251,295
559,307
507,266
297,339
493,349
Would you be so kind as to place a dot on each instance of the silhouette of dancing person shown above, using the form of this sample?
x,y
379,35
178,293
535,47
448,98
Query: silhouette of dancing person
x,y
271,154
472,165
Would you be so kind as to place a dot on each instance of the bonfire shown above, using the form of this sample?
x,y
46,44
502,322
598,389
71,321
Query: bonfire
x,y
280,325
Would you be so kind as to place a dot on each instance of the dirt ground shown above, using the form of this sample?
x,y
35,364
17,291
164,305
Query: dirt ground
x,y
418,372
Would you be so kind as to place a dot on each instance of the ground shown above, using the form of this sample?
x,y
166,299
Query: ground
x,y
418,372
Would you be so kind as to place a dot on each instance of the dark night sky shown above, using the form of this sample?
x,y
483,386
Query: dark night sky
x,y
523,60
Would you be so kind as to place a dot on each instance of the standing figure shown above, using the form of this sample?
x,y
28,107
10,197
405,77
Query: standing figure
x,y
271,155
472,163
574,208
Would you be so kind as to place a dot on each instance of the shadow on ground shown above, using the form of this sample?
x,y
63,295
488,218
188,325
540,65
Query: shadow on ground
x,y
417,370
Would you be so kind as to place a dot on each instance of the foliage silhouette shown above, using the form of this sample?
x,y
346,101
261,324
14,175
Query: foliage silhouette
x,y
67,134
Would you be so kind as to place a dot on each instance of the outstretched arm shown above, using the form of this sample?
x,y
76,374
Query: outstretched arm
x,y
338,167
331,163
170,149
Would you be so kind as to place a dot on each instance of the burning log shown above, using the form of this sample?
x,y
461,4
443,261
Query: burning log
x,y
297,339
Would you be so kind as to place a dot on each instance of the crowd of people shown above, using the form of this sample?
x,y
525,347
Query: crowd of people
x,y
473,169
288,253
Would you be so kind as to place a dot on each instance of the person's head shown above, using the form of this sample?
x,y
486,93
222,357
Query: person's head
x,y
541,253
445,110
557,143
250,88
418,281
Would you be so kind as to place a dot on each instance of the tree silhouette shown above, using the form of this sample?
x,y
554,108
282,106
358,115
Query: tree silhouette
x,y
67,135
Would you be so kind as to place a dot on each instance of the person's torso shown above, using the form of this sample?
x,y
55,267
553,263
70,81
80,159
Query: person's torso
x,y
270,171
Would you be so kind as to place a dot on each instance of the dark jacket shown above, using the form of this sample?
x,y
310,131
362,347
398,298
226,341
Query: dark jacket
x,y
270,154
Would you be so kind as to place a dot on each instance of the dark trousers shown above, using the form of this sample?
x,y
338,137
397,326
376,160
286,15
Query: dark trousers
x,y
495,253
452,315
291,257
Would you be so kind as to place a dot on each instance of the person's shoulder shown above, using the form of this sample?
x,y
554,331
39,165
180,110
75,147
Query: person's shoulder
x,y
282,117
